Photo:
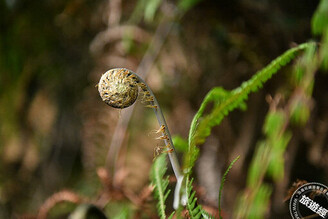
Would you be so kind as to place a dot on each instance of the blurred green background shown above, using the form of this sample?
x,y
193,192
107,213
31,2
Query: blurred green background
x,y
55,132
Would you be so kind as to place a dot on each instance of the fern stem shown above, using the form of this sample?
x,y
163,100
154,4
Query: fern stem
x,y
172,154
161,121
119,88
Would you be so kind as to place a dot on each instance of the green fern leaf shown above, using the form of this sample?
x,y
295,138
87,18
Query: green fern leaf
x,y
160,184
320,17
222,182
171,216
216,94
195,210
225,101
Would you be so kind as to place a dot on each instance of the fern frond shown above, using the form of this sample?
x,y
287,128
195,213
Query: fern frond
x,y
160,183
171,215
222,182
240,94
195,210
215,95
320,17
225,101
320,27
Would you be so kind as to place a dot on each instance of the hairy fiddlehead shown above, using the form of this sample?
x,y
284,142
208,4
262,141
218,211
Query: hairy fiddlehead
x,y
119,88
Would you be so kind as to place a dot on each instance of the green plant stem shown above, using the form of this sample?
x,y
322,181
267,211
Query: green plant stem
x,y
172,154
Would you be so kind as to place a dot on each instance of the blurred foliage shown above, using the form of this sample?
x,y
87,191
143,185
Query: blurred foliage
x,y
180,144
320,27
43,65
269,158
320,18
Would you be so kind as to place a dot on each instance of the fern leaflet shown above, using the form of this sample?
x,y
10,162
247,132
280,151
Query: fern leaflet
x,y
160,184
222,182
195,210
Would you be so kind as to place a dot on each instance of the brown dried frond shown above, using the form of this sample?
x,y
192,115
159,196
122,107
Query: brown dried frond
x,y
117,33
104,177
298,183
53,200
146,192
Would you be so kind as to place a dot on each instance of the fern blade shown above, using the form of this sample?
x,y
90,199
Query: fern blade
x,y
225,101
157,173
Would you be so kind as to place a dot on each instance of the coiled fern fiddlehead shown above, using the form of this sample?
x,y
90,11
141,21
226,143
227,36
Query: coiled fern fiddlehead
x,y
119,88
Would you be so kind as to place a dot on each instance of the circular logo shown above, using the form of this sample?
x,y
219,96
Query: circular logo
x,y
309,201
